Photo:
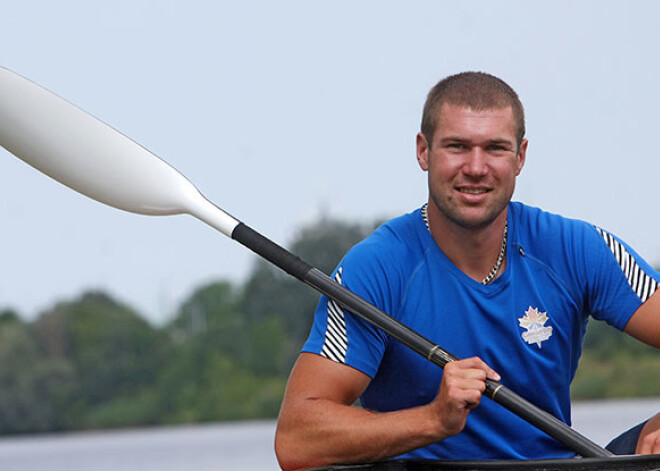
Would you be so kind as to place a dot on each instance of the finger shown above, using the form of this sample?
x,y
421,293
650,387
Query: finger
x,y
494,375
650,444
456,387
473,399
475,363
460,398
490,373
642,447
466,373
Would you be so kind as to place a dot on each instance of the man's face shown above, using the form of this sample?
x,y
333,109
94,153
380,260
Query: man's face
x,y
472,161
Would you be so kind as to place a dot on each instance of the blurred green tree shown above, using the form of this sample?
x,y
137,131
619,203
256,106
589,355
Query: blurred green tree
x,y
214,375
33,389
114,352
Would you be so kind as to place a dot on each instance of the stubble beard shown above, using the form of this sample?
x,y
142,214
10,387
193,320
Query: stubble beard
x,y
461,216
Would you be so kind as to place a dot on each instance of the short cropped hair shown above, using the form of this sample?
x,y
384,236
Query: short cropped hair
x,y
476,90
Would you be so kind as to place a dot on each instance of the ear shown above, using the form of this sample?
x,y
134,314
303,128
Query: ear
x,y
422,151
522,156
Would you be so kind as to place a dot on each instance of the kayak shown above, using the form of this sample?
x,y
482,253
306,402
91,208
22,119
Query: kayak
x,y
615,463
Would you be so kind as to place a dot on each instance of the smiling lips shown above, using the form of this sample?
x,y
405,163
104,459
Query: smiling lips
x,y
473,191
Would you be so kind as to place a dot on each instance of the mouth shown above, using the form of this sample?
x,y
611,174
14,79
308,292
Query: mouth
x,y
472,190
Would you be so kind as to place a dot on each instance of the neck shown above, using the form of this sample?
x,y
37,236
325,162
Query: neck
x,y
474,251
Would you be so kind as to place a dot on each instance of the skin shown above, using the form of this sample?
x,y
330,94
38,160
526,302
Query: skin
x,y
644,325
649,439
318,424
472,161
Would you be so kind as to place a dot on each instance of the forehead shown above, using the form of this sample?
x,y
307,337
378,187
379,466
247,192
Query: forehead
x,y
465,122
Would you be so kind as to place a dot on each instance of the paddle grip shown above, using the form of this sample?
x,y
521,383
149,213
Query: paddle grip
x,y
272,252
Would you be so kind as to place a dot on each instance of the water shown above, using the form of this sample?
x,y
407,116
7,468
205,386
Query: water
x,y
603,420
236,446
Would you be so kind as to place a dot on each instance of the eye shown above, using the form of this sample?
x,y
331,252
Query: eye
x,y
497,148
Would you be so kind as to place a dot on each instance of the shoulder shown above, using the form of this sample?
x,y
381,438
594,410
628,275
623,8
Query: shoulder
x,y
538,220
534,227
396,241
378,267
567,250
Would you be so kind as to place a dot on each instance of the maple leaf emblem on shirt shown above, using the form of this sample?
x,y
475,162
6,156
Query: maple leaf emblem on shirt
x,y
534,321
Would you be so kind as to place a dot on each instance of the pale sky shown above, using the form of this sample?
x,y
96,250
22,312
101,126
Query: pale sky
x,y
281,110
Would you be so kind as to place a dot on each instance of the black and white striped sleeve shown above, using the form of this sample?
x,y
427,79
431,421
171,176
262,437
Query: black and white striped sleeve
x,y
639,278
335,343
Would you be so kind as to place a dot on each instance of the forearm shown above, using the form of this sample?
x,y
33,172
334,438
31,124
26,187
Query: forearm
x,y
318,425
323,432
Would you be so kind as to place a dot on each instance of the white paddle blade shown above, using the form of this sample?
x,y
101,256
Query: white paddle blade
x,y
85,154
76,149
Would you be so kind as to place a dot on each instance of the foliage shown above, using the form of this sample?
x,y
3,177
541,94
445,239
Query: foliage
x,y
34,389
615,365
112,350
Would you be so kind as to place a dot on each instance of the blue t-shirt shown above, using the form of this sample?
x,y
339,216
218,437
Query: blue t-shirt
x,y
528,324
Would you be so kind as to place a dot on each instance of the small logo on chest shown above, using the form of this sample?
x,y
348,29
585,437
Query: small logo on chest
x,y
534,321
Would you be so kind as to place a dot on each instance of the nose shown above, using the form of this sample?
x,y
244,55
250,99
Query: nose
x,y
475,163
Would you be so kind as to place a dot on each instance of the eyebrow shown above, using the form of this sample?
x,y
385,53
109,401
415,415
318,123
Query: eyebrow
x,y
497,141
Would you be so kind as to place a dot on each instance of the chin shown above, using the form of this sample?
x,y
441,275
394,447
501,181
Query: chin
x,y
471,217
470,220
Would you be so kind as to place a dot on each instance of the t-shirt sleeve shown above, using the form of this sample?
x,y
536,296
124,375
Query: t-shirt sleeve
x,y
342,336
620,281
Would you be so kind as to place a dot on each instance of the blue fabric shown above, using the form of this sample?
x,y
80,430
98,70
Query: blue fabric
x,y
626,443
556,267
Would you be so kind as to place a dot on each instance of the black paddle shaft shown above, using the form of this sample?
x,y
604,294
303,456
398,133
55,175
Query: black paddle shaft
x,y
318,280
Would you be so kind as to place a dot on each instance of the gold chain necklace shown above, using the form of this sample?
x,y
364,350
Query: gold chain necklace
x,y
500,258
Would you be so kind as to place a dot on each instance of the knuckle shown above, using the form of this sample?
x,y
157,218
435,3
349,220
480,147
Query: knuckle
x,y
475,399
450,382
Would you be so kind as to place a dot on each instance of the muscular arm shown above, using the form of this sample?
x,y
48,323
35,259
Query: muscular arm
x,y
644,325
318,424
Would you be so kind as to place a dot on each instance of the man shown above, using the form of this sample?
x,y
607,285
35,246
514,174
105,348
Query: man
x,y
502,285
